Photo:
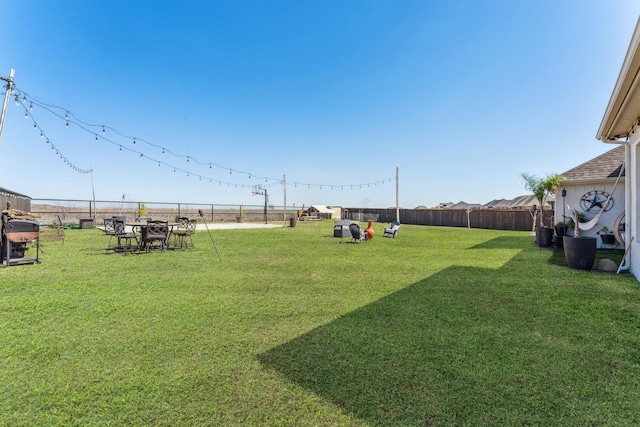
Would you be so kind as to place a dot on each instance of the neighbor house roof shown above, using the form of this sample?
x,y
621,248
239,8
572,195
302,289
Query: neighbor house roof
x,y
497,203
529,200
465,205
606,165
321,208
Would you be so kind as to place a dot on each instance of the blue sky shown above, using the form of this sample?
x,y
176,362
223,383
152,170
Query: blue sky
x,y
461,96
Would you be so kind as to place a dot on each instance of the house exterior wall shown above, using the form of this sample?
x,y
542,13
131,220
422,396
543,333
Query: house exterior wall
x,y
575,192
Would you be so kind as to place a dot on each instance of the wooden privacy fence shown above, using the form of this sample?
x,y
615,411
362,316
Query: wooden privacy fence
x,y
17,201
496,219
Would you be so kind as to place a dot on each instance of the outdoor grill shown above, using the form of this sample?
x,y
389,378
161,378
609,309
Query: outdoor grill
x,y
16,234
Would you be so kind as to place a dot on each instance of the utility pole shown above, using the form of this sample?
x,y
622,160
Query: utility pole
x,y
284,215
93,191
6,99
397,197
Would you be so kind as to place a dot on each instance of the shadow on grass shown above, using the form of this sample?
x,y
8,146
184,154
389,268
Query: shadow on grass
x,y
464,346
504,242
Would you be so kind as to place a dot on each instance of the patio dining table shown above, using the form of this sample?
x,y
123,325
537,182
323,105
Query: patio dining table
x,y
140,229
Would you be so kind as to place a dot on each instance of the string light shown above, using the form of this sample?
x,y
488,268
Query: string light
x,y
83,125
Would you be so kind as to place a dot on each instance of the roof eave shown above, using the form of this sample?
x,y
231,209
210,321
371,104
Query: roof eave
x,y
580,181
623,108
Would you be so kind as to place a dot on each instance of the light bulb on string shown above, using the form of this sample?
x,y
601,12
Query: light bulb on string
x,y
134,141
96,137
24,98
31,107
41,135
17,101
103,130
26,115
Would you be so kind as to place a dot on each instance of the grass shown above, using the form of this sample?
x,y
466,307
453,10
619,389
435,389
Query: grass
x,y
293,327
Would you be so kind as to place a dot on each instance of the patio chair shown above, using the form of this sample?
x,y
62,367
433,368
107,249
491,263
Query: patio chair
x,y
108,229
392,231
119,230
155,231
181,235
357,235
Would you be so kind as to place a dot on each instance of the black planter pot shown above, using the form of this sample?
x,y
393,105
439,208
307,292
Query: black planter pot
x,y
544,237
561,231
608,239
580,252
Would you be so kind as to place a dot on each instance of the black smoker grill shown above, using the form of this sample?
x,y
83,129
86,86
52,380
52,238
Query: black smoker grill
x,y
16,234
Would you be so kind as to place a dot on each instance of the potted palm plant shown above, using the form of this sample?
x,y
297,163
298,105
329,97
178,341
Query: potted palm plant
x,y
542,188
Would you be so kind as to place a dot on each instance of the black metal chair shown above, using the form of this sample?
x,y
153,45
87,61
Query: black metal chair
x,y
109,230
119,230
181,235
155,231
357,235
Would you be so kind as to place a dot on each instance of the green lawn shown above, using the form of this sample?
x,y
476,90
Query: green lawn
x,y
293,327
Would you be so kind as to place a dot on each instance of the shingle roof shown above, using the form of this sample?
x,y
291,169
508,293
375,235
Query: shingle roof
x,y
606,165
